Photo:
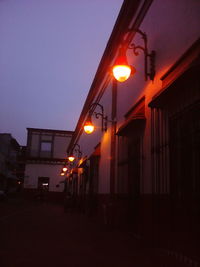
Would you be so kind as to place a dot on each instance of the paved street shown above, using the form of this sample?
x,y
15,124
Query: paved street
x,y
40,234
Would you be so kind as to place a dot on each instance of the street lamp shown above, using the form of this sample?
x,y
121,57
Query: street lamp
x,y
71,158
64,169
122,70
75,149
88,126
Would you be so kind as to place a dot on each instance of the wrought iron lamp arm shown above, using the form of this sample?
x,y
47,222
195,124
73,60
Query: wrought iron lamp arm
x,y
77,150
149,59
104,118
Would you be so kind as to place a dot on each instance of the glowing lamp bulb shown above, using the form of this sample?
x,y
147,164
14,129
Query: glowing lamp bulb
x,y
62,173
88,127
121,72
64,169
71,158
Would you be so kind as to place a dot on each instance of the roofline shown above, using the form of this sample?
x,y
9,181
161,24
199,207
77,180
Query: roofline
x,y
49,130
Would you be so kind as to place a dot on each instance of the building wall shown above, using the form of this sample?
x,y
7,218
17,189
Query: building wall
x,y
9,163
152,209
46,155
170,36
33,171
59,143
89,142
60,146
35,145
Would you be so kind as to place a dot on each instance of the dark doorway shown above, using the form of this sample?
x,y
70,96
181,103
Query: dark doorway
x,y
43,184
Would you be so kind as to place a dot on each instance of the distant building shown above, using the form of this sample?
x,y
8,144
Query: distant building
x,y
11,171
21,160
45,157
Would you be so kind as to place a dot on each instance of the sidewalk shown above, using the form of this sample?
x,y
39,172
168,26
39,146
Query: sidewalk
x,y
43,235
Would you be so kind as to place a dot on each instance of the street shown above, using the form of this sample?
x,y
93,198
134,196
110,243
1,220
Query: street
x,y
42,234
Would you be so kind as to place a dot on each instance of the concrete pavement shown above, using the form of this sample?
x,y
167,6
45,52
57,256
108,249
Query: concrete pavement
x,y
41,234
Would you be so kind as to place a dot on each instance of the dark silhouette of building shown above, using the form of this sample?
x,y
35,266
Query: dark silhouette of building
x,y
12,163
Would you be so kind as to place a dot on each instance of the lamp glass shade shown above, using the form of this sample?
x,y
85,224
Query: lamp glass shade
x,y
121,72
71,158
88,127
64,169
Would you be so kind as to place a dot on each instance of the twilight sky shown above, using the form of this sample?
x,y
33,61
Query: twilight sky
x,y
49,54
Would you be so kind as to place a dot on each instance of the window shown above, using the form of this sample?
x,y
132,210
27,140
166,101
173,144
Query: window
x,y
46,149
160,151
175,137
45,146
129,164
130,150
184,129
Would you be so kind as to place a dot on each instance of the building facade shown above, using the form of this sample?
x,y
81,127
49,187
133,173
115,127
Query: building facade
x,y
11,169
139,169
45,157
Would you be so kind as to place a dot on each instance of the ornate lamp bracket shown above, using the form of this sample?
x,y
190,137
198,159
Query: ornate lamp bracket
x,y
101,114
149,58
76,149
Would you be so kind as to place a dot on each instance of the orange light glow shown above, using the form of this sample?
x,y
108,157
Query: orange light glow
x,y
62,173
64,169
88,127
71,158
121,72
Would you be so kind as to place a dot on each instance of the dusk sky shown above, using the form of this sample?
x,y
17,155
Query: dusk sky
x,y
49,54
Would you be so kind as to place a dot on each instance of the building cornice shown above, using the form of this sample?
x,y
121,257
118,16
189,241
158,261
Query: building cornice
x,y
37,160
49,131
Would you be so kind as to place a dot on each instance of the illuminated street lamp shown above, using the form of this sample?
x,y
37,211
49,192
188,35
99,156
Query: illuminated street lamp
x,y
71,158
88,126
75,150
64,169
122,70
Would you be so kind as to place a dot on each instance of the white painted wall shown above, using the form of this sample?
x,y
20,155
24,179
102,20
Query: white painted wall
x,y
88,142
104,165
33,171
